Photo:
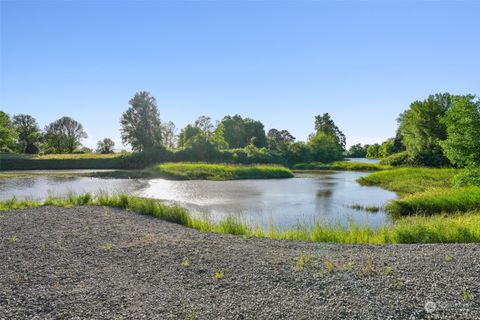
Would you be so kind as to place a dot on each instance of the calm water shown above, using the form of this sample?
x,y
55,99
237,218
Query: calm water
x,y
325,196
364,160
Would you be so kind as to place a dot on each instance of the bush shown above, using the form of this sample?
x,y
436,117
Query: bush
x,y
397,159
468,177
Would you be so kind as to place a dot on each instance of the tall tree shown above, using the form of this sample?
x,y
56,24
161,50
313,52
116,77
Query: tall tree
x,y
325,124
189,135
254,133
279,139
64,135
422,129
8,134
234,131
205,125
357,151
169,133
105,146
141,126
28,133
462,145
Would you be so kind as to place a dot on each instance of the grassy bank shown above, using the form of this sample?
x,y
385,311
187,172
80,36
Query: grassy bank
x,y
204,171
341,166
436,229
410,180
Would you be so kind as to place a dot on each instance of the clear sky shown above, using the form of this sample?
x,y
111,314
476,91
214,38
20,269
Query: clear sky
x,y
278,62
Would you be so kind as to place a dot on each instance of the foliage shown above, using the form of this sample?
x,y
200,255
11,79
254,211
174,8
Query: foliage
x,y
468,177
239,132
422,129
279,140
325,147
398,159
387,148
410,180
189,135
141,126
357,151
435,201
169,134
462,120
8,134
28,133
63,135
298,152
204,124
105,146
204,171
455,228
324,124
373,151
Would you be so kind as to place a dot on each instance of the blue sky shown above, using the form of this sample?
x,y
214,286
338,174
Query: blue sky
x,y
278,62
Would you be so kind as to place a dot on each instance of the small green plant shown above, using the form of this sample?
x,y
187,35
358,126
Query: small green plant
x,y
399,284
329,265
348,266
448,258
107,246
186,263
303,260
218,275
106,210
368,268
192,315
388,271
12,239
467,296
43,247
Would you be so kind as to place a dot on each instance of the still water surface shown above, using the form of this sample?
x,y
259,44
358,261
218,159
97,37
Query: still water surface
x,y
325,196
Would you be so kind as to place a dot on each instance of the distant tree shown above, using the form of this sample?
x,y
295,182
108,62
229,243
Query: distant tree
x,y
462,145
189,135
422,129
279,140
169,133
387,148
205,125
8,134
373,151
298,152
105,146
141,126
254,133
218,138
325,124
63,135
234,131
357,151
29,134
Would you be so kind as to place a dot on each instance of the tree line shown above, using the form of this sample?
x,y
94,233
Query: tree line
x,y
442,130
235,137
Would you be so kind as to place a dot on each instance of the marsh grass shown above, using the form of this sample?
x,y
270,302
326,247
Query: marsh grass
x,y
341,166
453,228
206,171
410,180
436,201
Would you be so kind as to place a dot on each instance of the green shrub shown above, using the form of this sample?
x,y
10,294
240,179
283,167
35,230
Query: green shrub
x,y
468,177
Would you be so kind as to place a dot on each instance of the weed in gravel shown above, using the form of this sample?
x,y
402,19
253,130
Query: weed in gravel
x,y
186,263
20,278
106,210
192,315
218,275
329,265
12,239
388,271
107,246
348,266
399,283
368,268
43,247
467,296
303,260
448,258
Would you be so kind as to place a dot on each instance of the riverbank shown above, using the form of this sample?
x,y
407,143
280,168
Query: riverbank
x,y
129,266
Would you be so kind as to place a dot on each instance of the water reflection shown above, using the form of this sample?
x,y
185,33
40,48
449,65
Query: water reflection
x,y
305,199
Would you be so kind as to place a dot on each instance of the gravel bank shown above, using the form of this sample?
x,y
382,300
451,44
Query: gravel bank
x,y
96,263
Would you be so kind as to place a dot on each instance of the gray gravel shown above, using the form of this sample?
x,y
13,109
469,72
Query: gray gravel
x,y
97,263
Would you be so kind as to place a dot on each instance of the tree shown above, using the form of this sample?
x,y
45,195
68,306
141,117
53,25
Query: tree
x,y
141,126
279,140
325,147
357,151
105,146
189,135
239,132
169,132
254,133
387,148
462,145
373,151
205,125
325,124
8,134
63,135
28,133
422,129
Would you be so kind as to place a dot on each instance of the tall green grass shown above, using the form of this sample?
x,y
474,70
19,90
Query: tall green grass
x,y
410,180
341,166
437,201
205,171
419,229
